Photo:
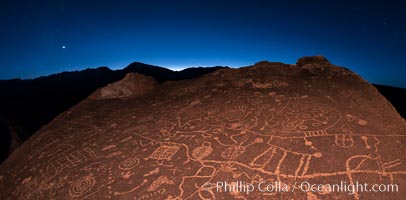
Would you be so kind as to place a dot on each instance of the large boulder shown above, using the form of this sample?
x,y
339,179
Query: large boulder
x,y
297,129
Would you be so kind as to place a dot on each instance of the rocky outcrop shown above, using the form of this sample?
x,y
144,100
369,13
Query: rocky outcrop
x,y
226,135
314,60
132,85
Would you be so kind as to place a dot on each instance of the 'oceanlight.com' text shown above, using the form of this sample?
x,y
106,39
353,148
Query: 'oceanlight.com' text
x,y
305,186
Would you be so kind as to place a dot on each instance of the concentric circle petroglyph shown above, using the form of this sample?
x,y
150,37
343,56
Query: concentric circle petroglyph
x,y
129,163
81,186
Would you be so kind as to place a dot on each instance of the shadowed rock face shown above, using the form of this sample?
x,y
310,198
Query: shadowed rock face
x,y
270,123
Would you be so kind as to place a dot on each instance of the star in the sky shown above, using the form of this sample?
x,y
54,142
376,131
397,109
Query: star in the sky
x,y
63,47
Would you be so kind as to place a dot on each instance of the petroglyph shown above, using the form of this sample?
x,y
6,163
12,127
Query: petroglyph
x,y
249,124
361,122
234,151
344,141
392,163
109,147
153,172
365,139
158,182
129,163
202,151
305,117
81,186
69,160
164,152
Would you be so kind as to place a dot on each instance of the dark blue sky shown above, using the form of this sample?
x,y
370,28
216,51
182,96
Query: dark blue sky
x,y
44,37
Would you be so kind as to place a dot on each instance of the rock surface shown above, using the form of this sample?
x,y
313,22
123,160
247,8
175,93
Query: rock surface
x,y
132,85
270,123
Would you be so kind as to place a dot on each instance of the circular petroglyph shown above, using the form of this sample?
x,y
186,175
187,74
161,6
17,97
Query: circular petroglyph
x,y
81,186
202,151
129,163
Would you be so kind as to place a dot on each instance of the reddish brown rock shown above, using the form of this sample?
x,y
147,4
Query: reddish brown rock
x,y
133,84
314,60
269,124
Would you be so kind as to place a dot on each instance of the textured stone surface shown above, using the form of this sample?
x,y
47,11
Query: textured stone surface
x,y
269,122
132,85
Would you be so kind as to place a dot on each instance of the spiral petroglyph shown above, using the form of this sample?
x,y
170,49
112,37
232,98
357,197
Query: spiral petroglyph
x,y
129,163
81,186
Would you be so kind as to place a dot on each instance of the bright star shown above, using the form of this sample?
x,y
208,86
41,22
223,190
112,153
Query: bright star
x,y
63,47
